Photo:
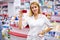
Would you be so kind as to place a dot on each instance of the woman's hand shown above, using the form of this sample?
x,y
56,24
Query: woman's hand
x,y
20,14
42,33
20,19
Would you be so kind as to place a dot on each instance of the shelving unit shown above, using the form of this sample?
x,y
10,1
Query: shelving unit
x,y
51,8
4,8
57,6
47,5
0,8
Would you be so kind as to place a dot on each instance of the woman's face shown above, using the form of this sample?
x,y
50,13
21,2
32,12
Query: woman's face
x,y
34,8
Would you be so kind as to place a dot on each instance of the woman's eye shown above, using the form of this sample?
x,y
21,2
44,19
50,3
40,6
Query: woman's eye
x,y
35,7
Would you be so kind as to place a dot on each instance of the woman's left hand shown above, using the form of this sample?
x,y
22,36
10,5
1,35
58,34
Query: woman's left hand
x,y
41,33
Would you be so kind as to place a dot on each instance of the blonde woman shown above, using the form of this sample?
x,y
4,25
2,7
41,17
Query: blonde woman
x,y
36,22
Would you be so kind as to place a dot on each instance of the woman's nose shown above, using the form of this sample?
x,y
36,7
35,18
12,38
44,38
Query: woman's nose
x,y
34,9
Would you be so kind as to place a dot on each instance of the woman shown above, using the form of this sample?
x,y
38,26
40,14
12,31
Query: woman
x,y
36,22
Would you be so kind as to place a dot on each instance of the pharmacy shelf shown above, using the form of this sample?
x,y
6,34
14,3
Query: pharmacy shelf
x,y
4,8
55,18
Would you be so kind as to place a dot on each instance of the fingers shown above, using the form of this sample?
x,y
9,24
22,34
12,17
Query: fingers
x,y
20,13
41,34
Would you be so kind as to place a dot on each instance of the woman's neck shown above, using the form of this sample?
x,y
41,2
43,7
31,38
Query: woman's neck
x,y
35,16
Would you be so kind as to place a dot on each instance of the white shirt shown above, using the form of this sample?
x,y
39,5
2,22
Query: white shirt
x,y
36,25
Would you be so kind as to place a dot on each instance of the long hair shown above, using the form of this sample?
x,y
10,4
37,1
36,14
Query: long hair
x,y
31,12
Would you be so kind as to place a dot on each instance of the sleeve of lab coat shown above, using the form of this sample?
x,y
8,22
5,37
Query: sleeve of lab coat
x,y
47,22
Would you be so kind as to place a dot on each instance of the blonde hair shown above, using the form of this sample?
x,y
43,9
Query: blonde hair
x,y
31,13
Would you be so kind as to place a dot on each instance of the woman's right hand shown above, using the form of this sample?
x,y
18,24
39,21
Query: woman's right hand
x,y
20,19
20,14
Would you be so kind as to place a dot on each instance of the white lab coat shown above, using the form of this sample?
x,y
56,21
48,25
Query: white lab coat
x,y
36,26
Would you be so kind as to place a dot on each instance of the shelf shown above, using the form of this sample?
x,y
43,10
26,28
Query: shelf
x,y
57,4
4,4
55,18
5,9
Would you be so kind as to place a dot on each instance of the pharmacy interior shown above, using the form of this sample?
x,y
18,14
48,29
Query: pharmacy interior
x,y
9,18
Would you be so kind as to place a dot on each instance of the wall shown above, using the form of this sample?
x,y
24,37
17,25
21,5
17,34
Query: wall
x,y
16,6
11,9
